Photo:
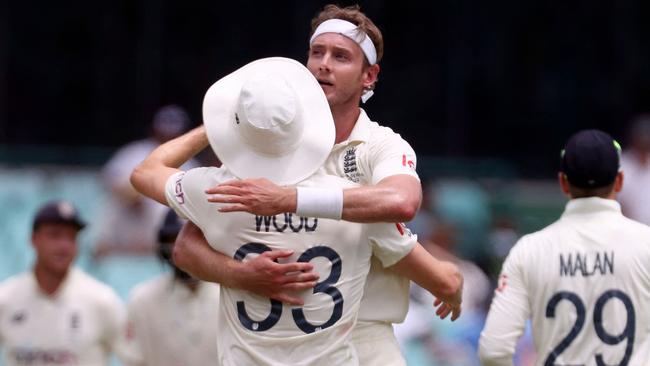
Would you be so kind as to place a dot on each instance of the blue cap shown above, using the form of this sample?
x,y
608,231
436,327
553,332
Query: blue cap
x,y
60,212
590,159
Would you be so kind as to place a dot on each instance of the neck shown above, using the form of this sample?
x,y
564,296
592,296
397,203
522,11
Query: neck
x,y
48,281
345,117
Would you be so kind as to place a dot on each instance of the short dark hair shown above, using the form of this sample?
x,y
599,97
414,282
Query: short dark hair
x,y
602,192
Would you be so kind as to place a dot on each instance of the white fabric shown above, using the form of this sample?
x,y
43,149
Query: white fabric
x,y
319,202
348,29
591,234
635,195
270,119
376,344
170,325
370,154
81,324
350,247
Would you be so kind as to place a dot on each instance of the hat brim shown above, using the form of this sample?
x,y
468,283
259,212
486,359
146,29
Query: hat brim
x,y
220,105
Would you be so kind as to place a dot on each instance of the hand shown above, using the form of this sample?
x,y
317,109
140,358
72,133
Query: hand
x,y
263,276
444,309
257,196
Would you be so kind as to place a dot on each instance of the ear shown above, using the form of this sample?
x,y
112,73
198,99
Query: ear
x,y
618,182
34,240
370,76
564,183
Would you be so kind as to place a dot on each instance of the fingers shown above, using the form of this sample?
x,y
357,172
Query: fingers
x,y
276,254
295,267
234,208
291,300
299,286
225,198
216,193
302,277
444,311
225,185
455,314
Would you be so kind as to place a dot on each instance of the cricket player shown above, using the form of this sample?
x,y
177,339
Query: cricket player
x,y
344,53
173,318
56,314
583,280
270,118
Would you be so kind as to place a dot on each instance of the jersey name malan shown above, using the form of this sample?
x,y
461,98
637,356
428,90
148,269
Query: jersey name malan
x,y
586,264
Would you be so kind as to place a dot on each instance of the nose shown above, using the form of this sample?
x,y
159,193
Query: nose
x,y
324,63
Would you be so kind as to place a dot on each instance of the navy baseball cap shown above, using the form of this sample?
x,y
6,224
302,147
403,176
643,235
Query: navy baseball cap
x,y
590,159
171,226
61,212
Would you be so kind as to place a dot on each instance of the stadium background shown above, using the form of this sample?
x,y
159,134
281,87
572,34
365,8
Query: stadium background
x,y
485,92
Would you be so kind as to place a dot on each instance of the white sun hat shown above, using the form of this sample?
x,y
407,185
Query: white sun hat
x,y
269,119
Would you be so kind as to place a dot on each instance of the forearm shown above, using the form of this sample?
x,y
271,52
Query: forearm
x,y
193,254
149,177
442,279
394,199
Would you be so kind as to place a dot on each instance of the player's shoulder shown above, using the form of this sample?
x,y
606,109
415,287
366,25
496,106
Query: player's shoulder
x,y
323,179
379,133
93,289
636,229
203,176
149,289
531,245
15,284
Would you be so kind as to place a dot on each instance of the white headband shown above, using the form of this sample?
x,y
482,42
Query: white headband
x,y
353,32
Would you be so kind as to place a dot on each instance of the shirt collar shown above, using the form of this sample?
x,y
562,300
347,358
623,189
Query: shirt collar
x,y
181,291
361,130
591,205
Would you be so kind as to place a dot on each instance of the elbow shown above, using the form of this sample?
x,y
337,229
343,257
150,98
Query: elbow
x,y
137,177
180,255
492,353
405,207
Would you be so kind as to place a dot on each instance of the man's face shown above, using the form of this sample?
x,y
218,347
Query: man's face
x,y
338,62
56,246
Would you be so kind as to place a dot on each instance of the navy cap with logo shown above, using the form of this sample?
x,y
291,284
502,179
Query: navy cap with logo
x,y
590,159
60,212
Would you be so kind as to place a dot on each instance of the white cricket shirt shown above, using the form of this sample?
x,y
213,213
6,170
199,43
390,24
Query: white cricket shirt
x,y
81,324
585,283
170,325
259,331
370,154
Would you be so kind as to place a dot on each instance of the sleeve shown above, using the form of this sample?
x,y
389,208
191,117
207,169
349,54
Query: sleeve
x,y
390,242
510,309
391,155
185,193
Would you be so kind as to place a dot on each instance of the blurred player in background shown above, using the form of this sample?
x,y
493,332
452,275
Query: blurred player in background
x,y
583,280
173,318
56,314
127,209
344,53
635,161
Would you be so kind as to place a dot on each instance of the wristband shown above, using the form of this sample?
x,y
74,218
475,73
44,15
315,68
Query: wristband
x,y
319,202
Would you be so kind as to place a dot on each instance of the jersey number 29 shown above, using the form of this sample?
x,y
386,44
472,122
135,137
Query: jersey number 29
x,y
324,286
627,333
